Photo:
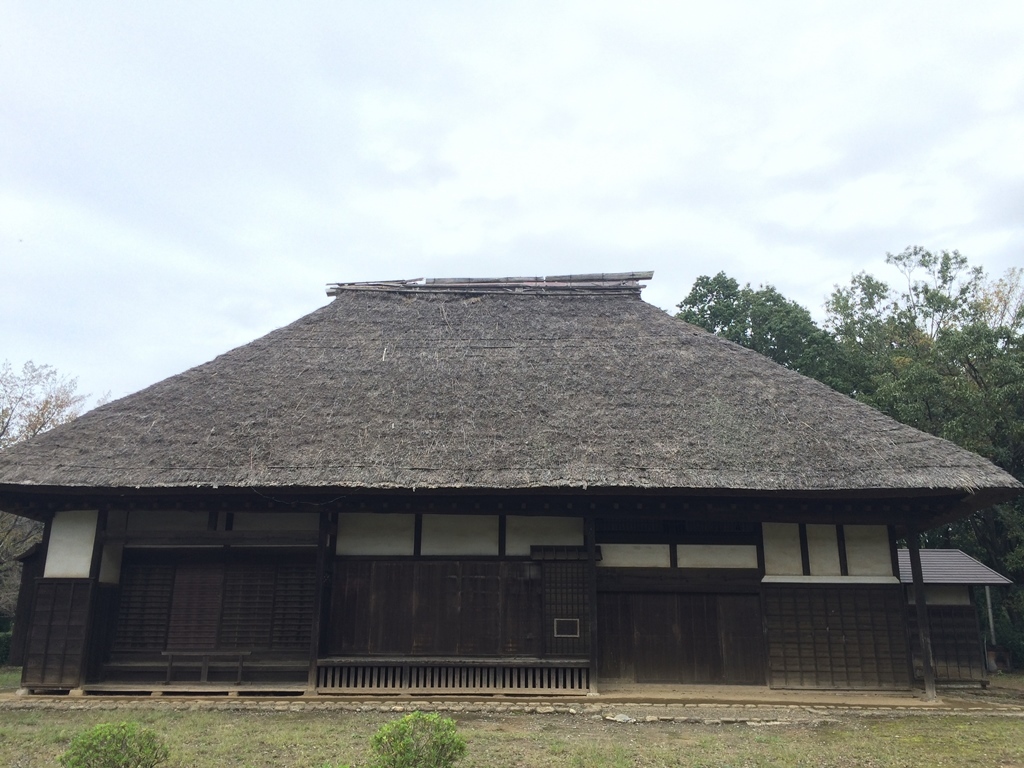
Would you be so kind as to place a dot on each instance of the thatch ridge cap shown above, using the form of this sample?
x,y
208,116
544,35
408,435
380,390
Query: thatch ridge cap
x,y
602,282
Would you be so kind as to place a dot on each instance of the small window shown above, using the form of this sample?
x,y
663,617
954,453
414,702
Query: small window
x,y
567,627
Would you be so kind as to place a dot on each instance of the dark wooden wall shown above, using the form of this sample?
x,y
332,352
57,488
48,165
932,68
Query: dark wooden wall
x,y
31,569
681,638
456,608
57,650
836,636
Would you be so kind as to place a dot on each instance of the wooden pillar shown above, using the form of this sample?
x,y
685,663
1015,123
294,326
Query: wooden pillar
x,y
590,539
318,600
991,620
924,633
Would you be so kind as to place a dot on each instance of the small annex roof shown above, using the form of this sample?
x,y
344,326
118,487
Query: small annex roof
x,y
559,384
949,566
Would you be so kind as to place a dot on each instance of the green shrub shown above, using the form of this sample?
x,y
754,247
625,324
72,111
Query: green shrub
x,y
418,741
120,745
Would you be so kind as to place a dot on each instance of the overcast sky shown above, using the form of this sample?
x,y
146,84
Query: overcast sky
x,y
180,178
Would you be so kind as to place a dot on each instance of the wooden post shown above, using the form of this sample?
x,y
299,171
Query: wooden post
x,y
991,620
590,539
318,607
924,634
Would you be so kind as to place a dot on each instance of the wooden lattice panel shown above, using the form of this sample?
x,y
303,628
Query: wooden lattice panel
x,y
145,607
248,604
836,637
565,597
956,643
455,679
294,601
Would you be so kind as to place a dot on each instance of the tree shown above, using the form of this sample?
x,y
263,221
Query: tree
x,y
33,400
767,322
944,354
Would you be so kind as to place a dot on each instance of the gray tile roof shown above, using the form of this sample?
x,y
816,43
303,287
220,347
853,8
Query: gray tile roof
x,y
949,566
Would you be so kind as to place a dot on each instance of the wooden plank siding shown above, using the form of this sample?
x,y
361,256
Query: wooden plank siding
x,y
456,608
57,646
687,638
836,637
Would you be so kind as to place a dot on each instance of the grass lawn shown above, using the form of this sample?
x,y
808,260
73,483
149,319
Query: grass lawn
x,y
1014,680
10,678
225,739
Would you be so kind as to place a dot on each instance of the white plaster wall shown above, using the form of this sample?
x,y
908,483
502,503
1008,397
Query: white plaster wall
x,y
635,556
110,563
782,549
716,555
276,521
459,535
823,550
867,550
943,594
167,520
364,533
72,536
521,532
790,579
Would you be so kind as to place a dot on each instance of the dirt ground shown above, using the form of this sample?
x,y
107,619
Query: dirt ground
x,y
708,704
1003,695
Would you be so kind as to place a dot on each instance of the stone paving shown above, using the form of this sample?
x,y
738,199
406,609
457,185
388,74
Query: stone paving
x,y
754,714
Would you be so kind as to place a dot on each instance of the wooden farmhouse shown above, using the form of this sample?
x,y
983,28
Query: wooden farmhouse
x,y
523,485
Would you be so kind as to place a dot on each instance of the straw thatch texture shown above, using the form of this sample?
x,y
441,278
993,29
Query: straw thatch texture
x,y
384,389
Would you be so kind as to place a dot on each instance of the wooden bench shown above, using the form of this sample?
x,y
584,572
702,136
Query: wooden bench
x,y
232,659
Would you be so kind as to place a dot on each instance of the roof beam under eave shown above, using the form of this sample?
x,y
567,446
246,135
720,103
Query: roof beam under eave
x,y
924,511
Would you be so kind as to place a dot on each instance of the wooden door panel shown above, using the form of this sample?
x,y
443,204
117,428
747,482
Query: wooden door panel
x,y
435,620
350,608
615,633
699,632
521,609
742,638
480,609
656,638
391,605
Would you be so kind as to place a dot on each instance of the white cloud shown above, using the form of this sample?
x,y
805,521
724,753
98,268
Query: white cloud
x,y
179,179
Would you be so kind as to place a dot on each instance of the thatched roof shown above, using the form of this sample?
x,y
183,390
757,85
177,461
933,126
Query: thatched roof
x,y
563,383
